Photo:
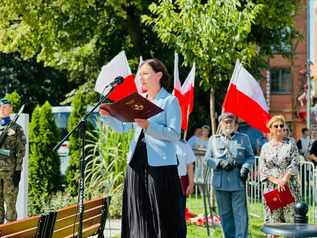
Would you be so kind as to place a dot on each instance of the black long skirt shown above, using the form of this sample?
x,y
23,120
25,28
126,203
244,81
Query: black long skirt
x,y
150,206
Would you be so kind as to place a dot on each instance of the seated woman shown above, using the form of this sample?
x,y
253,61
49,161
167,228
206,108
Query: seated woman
x,y
279,167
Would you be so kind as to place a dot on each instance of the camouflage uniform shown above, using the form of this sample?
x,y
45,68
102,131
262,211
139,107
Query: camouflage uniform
x,y
10,169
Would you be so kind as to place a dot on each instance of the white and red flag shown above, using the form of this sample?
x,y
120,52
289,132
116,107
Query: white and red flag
x,y
184,93
245,99
118,66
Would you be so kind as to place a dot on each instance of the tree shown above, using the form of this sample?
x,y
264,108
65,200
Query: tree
x,y
273,29
44,166
212,34
274,32
32,81
77,36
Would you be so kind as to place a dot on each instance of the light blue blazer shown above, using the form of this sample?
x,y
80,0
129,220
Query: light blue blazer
x,y
163,131
241,151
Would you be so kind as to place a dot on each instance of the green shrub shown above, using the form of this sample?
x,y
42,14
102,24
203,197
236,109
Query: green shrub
x,y
59,200
44,163
15,99
115,208
106,163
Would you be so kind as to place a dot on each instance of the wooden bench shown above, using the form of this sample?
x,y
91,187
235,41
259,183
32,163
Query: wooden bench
x,y
62,223
94,219
26,228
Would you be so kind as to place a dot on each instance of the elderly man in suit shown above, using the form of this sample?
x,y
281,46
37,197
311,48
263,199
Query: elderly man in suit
x,y
230,156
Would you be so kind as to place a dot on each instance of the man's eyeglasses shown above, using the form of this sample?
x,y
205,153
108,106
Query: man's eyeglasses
x,y
279,126
228,121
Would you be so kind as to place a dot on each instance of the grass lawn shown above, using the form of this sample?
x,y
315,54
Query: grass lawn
x,y
255,221
196,205
256,217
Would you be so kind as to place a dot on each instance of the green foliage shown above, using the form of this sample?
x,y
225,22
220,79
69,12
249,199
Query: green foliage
x,y
106,161
33,82
15,99
77,36
44,163
115,209
274,29
58,200
212,34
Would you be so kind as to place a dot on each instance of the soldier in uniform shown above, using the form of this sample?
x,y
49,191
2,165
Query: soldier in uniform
x,y
230,156
12,150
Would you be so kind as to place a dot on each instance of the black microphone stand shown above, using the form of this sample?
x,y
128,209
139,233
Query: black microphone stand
x,y
81,127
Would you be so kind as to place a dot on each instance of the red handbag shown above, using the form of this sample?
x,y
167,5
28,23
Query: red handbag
x,y
275,199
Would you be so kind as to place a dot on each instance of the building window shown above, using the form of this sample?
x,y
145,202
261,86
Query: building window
x,y
281,80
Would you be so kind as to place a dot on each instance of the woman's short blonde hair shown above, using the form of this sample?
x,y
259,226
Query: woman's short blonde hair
x,y
276,119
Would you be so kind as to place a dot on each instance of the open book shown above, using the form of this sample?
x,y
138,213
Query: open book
x,y
131,107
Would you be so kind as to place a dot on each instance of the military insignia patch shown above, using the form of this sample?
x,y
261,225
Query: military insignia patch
x,y
11,132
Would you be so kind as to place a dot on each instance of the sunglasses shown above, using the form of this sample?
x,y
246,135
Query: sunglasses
x,y
278,126
228,121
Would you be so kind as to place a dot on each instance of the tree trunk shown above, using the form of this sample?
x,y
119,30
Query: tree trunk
x,y
212,111
134,29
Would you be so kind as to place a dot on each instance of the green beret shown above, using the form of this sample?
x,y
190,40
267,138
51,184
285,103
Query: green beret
x,y
4,101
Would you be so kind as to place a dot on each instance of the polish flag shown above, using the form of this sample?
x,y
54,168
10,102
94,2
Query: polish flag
x,y
185,93
118,66
245,99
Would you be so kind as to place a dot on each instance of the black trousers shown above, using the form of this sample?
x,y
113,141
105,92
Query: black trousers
x,y
182,231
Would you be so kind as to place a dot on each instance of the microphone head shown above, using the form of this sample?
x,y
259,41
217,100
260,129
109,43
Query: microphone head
x,y
118,80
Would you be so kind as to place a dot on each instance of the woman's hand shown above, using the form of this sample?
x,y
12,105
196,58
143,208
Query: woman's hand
x,y
281,185
189,189
102,111
286,178
143,123
279,182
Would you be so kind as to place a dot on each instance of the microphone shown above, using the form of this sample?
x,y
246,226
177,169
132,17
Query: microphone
x,y
118,80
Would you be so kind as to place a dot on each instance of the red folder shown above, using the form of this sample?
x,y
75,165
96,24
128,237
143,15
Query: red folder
x,y
184,183
131,107
276,199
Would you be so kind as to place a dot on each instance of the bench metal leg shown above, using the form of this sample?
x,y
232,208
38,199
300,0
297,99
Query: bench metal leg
x,y
104,216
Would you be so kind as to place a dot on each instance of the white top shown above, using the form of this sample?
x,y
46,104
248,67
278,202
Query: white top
x,y
185,156
192,140
196,142
306,144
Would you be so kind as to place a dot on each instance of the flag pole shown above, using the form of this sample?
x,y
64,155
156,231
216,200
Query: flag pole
x,y
187,116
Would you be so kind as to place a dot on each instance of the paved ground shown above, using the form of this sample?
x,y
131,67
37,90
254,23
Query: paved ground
x,y
112,228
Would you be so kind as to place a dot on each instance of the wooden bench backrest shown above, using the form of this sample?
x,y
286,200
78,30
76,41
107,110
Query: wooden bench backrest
x,y
67,219
60,224
25,228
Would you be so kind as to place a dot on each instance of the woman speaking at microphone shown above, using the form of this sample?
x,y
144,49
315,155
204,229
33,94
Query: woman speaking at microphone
x,y
151,188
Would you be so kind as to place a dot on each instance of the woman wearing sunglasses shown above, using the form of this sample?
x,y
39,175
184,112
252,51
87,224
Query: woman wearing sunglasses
x,y
279,168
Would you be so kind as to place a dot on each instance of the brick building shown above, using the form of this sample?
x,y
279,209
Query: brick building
x,y
286,81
